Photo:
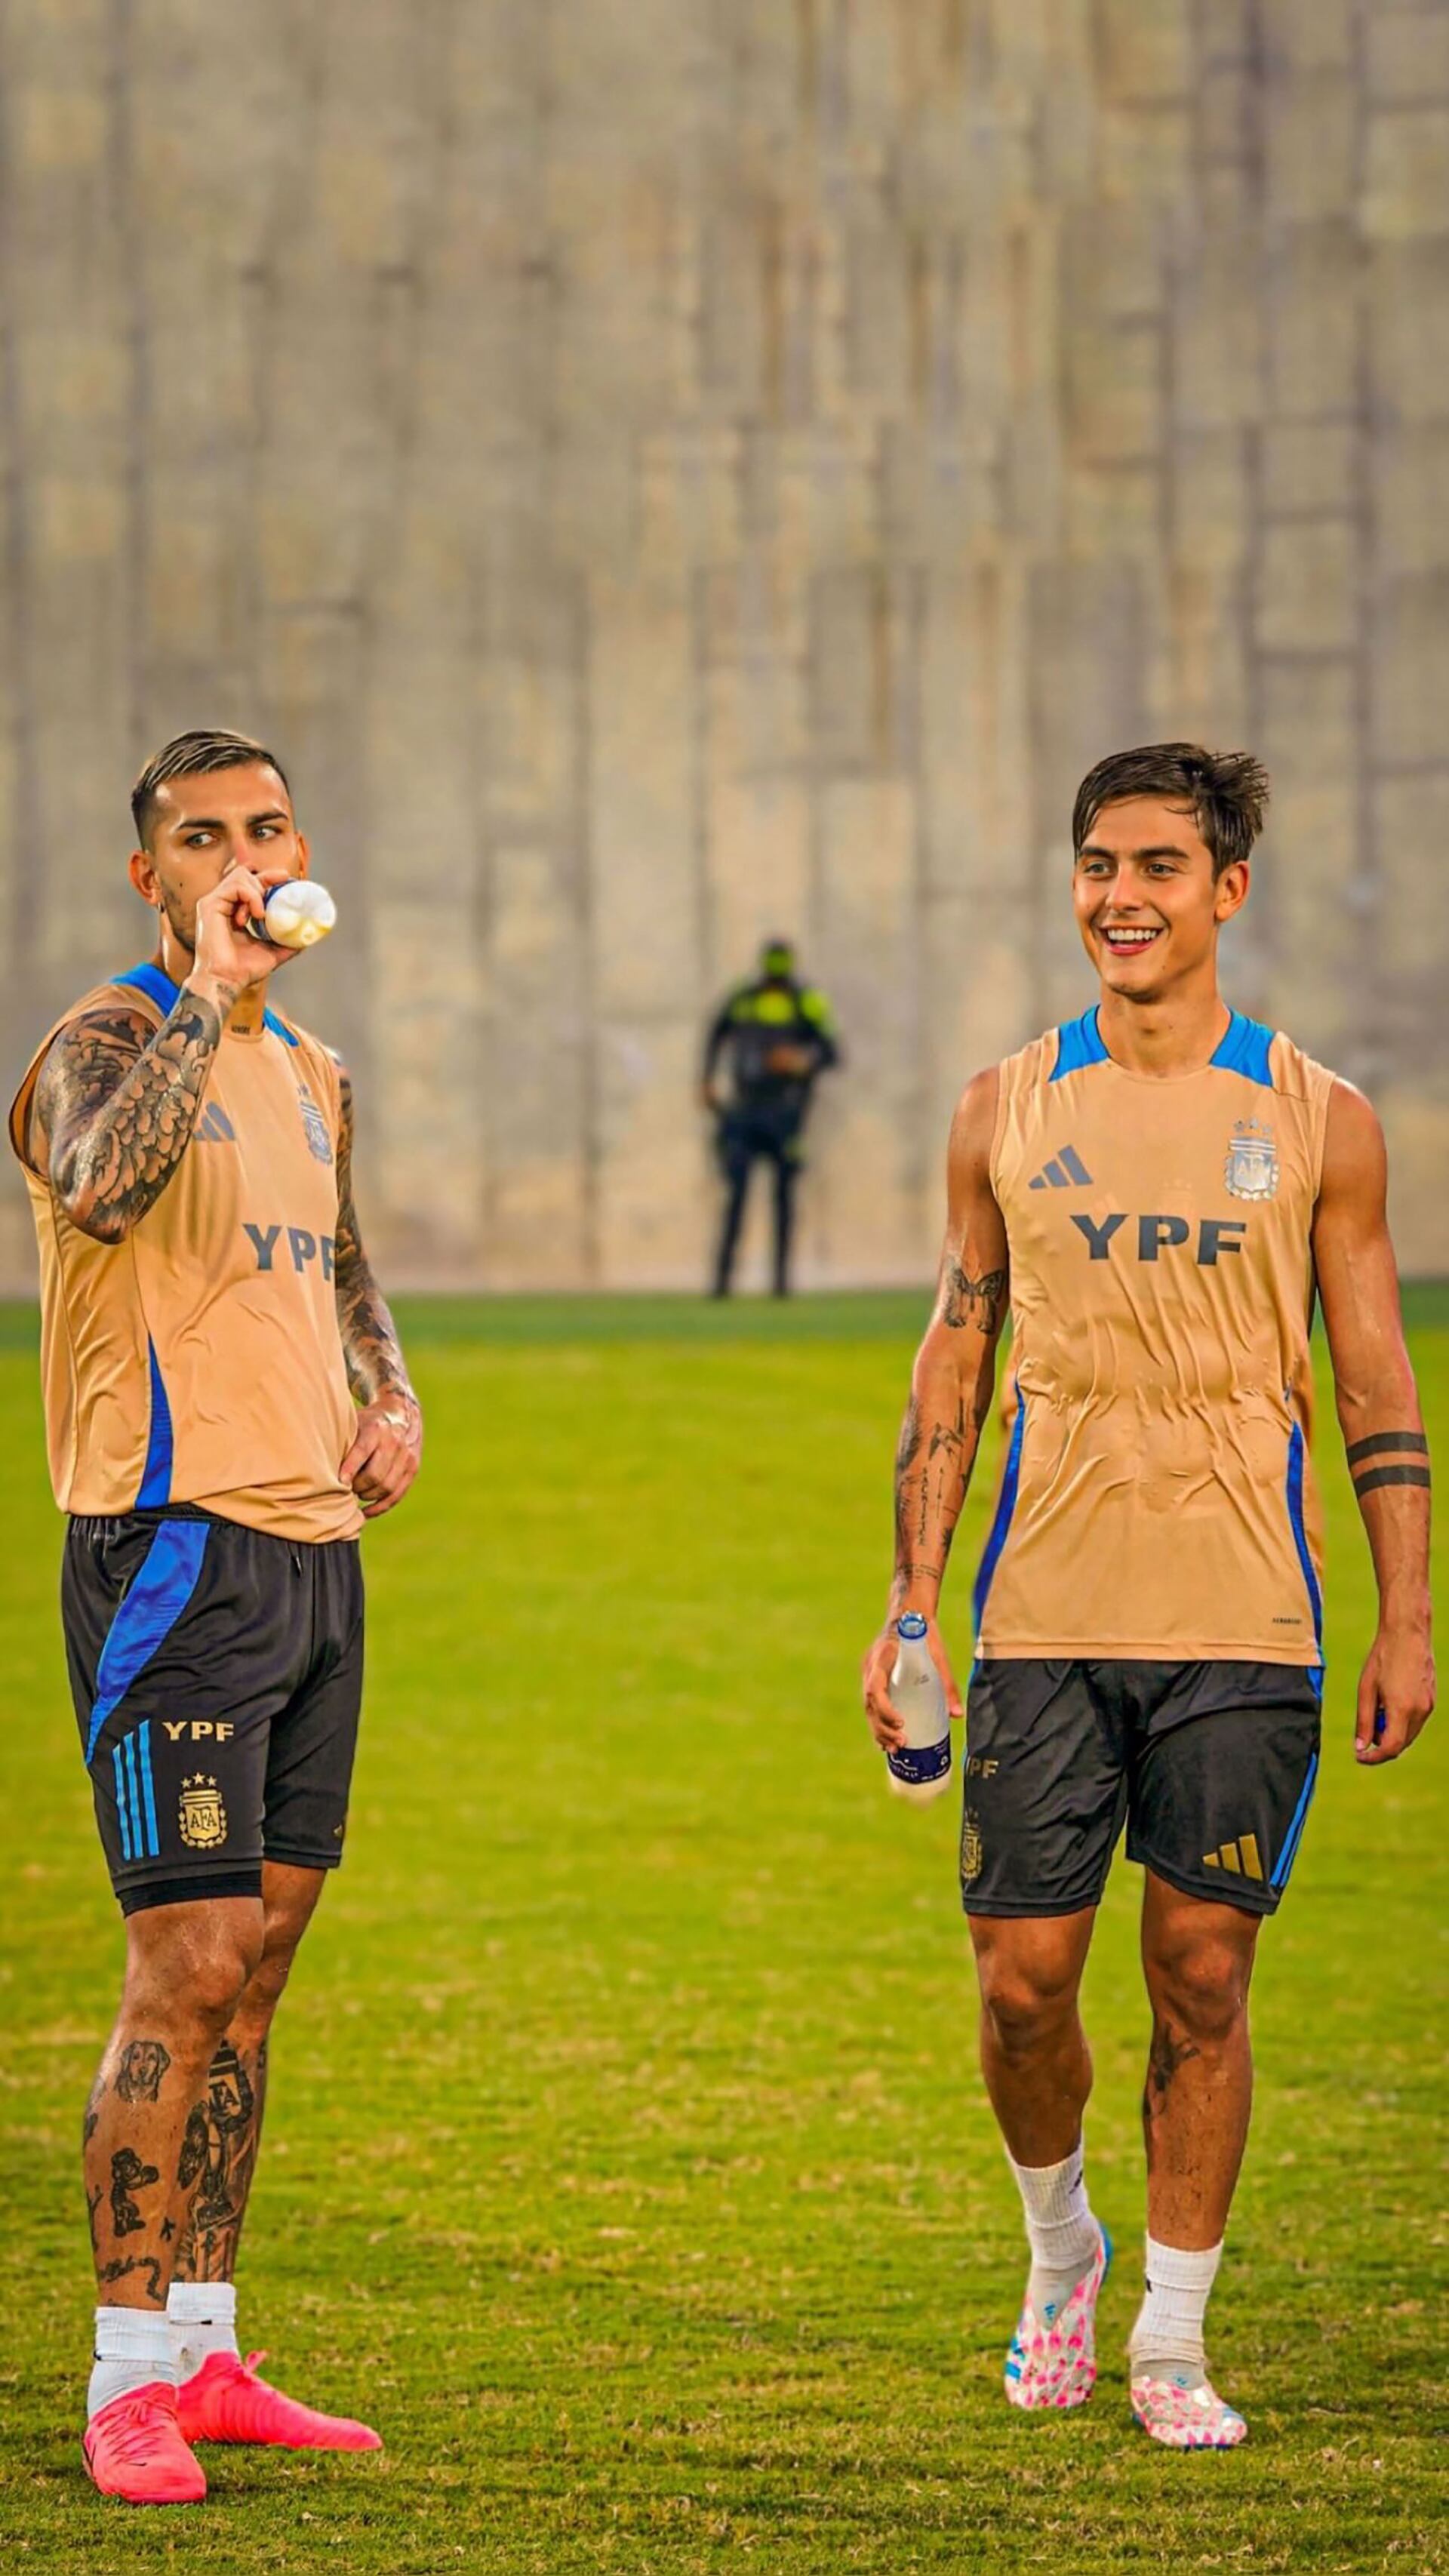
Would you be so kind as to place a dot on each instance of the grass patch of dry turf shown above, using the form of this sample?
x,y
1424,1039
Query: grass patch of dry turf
x,y
626,2159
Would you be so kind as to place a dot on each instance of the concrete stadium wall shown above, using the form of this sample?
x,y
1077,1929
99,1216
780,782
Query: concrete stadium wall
x,y
666,471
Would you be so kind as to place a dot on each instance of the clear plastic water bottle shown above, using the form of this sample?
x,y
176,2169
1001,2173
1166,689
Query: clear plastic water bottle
x,y
920,1768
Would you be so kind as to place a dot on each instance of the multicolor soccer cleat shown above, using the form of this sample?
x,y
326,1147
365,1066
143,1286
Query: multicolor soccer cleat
x,y
1184,2416
225,2401
1053,2358
135,2449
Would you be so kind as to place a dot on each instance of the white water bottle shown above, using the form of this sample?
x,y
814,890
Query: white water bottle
x,y
920,1768
299,912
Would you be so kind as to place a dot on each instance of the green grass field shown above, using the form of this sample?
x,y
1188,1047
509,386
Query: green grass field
x,y
626,2158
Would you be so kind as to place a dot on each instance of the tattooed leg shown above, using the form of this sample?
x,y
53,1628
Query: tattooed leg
x,y
219,2151
1198,1959
184,1971
218,2160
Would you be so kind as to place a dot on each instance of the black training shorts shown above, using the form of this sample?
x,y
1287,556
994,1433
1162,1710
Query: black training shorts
x,y
1211,1766
217,1678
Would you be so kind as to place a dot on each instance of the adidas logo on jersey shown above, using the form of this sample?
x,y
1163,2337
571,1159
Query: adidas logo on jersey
x,y
1065,1171
1240,1858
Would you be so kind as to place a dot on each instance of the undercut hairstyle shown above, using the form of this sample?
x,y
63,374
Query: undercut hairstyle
x,y
1226,790
192,755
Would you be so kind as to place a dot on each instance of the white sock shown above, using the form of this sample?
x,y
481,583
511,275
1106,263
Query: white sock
x,y
1060,2228
133,2346
1167,2338
202,2318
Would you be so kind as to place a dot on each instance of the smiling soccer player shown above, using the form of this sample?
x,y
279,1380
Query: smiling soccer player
x,y
225,1403
1158,1189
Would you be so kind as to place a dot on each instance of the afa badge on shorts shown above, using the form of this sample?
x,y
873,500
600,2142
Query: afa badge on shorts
x,y
1251,1170
203,1817
971,1852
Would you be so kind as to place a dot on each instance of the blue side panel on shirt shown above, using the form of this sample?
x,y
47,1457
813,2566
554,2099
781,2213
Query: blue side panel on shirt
x,y
148,1614
1079,1043
1300,1541
1243,1048
159,988
156,1474
1004,1510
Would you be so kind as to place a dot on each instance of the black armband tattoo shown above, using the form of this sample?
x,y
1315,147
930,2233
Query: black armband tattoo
x,y
1382,1443
1388,1444
1377,1476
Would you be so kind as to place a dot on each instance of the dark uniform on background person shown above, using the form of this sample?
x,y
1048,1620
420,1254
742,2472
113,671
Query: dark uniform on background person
x,y
779,1035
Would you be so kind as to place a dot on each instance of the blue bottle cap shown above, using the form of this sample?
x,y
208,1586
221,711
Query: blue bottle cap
x,y
911,1626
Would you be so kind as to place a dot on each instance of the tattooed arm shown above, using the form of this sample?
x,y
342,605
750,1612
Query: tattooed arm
x,y
115,1106
950,1399
1378,1412
384,1457
116,1101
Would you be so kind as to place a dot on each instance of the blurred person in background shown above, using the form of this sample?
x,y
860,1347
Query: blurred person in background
x,y
778,1034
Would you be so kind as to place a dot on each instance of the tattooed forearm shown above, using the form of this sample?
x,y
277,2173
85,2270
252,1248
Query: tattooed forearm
x,y
117,1103
933,1461
972,1301
370,1344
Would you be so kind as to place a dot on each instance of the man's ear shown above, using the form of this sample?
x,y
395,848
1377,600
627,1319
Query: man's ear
x,y
141,869
1231,891
304,856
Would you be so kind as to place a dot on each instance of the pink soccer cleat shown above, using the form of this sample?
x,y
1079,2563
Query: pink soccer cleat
x,y
1053,2358
135,2449
225,2401
1186,2418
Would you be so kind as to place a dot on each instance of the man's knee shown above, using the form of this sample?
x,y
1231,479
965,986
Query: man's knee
x,y
1026,1992
188,1966
1199,1986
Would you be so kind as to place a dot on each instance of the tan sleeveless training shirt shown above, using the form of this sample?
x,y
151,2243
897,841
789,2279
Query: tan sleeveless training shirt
x,y
1157,1499
200,1361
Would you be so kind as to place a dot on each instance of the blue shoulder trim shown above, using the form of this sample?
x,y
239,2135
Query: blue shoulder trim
x,y
158,988
1244,1049
1079,1043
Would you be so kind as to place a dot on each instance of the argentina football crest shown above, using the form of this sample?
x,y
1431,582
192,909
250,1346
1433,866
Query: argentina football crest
x,y
1251,1170
319,1142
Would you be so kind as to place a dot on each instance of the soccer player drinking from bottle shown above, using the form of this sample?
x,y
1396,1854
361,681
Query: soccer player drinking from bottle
x,y
225,1401
1159,1190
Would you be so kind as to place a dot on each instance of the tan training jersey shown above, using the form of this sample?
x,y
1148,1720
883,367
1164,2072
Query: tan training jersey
x,y
1157,1499
200,1360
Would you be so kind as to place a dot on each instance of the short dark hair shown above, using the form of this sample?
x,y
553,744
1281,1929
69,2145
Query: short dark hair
x,y
191,755
1227,791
